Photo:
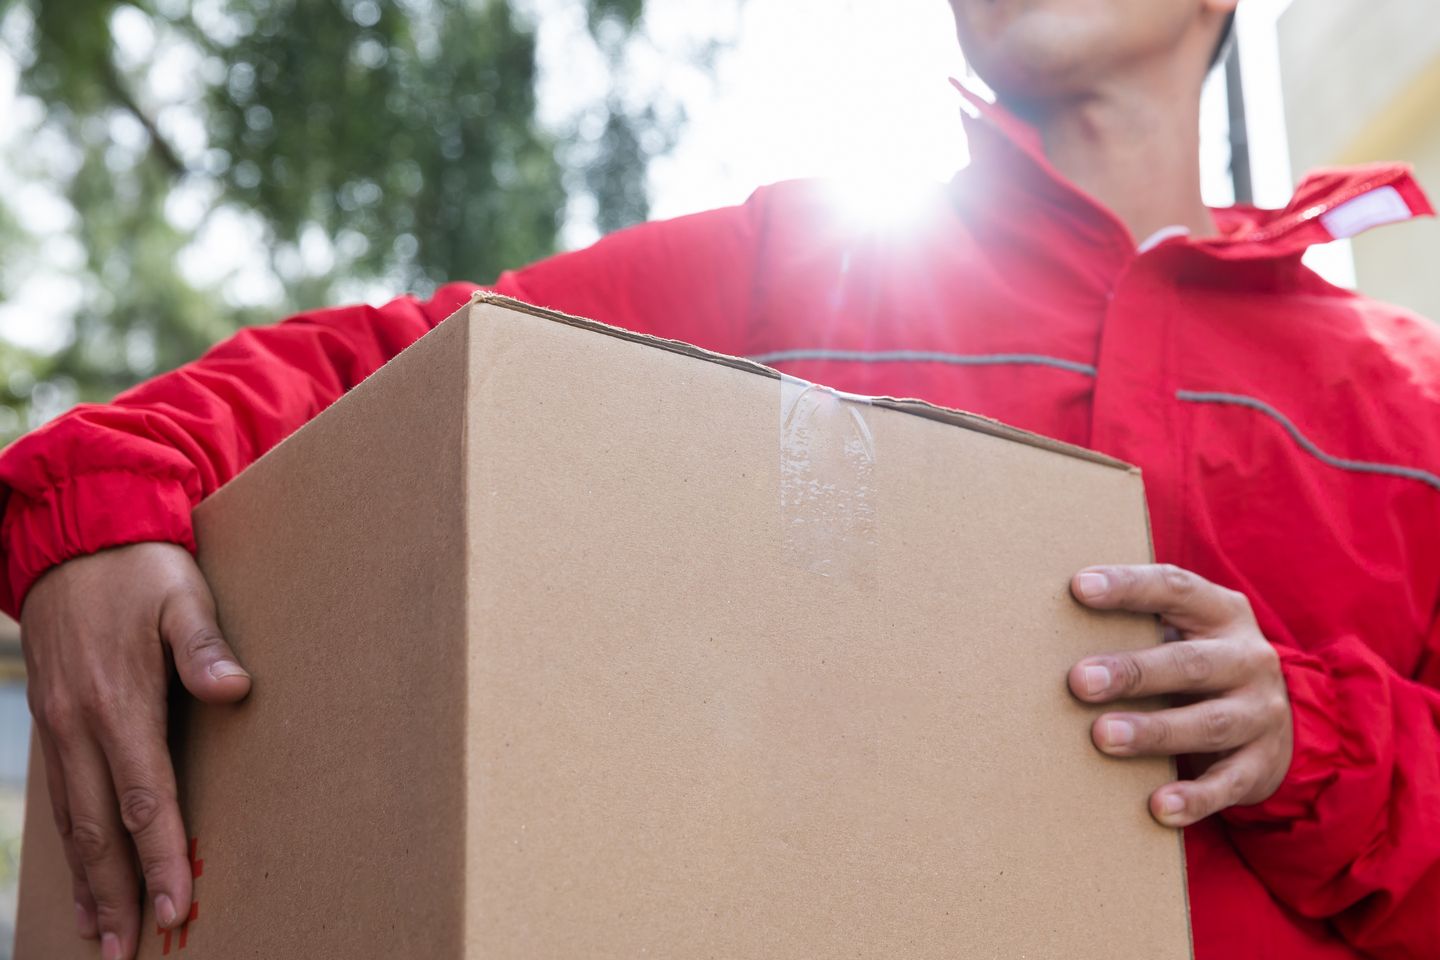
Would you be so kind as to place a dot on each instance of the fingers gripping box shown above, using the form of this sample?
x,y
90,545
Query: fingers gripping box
x,y
570,642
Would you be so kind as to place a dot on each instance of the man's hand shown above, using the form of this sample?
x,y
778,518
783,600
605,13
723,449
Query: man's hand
x,y
1225,673
97,633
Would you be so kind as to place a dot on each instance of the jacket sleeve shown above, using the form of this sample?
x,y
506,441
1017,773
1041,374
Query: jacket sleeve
x,y
131,470
692,278
1353,834
103,475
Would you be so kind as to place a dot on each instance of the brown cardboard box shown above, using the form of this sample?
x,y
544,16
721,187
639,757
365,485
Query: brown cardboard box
x,y
570,643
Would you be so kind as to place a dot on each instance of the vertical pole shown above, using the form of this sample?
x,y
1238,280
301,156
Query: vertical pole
x,y
1239,134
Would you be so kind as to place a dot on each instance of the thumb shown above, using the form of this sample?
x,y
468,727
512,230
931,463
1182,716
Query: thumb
x,y
206,664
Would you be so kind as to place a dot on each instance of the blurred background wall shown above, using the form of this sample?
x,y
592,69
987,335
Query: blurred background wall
x,y
1362,84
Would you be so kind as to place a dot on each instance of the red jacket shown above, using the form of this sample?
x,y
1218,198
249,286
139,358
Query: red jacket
x,y
1287,429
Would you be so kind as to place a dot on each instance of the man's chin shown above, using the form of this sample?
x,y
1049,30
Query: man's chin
x,y
1032,77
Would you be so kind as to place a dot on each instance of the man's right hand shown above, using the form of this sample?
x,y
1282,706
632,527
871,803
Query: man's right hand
x,y
98,634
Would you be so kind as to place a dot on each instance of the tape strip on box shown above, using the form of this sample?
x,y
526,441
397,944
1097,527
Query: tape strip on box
x,y
827,482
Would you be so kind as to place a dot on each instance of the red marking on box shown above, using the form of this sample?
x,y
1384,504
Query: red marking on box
x,y
185,930
197,867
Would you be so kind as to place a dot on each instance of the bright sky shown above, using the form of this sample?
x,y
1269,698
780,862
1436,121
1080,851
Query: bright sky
x,y
858,90
851,89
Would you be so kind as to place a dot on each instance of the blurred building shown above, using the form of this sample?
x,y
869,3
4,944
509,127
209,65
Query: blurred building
x,y
1362,83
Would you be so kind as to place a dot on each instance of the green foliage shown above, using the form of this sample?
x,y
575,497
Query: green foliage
x,y
417,132
400,136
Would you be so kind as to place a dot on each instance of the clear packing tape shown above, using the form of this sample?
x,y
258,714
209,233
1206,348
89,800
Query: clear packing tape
x,y
827,482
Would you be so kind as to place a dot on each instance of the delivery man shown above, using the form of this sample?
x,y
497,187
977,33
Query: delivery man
x,y
1069,281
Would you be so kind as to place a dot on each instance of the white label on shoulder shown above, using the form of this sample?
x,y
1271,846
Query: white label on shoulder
x,y
1374,209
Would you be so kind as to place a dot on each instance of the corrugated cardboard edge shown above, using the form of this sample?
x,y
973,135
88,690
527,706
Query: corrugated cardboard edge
x,y
1174,763
472,944
919,408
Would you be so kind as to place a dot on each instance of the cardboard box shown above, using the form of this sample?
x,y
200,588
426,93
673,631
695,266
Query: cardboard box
x,y
572,643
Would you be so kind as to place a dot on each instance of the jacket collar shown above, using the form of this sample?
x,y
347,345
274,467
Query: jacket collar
x,y
1329,204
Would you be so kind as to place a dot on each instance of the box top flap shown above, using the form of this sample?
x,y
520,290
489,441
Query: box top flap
x,y
919,408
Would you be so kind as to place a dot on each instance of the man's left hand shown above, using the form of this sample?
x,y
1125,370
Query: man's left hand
x,y
1226,676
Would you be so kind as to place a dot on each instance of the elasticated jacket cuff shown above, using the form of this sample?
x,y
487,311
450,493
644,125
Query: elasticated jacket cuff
x,y
81,515
1316,762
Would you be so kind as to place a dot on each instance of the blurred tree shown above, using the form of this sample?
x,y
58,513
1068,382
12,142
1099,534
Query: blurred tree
x,y
384,142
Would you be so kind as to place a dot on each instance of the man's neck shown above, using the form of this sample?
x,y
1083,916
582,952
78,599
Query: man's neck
x,y
1136,152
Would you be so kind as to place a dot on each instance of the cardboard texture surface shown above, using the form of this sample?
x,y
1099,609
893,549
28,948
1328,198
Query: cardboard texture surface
x,y
570,643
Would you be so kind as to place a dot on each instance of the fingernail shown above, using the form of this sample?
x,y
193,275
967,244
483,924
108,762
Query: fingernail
x,y
82,920
221,669
164,911
1119,733
1097,679
1092,585
1171,804
110,947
